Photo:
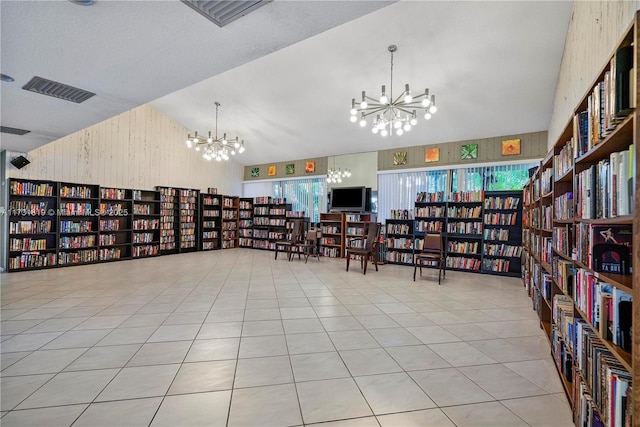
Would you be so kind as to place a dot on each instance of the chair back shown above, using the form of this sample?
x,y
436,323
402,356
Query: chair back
x,y
297,230
373,234
432,243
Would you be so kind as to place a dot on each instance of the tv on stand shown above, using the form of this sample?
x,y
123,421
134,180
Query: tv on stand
x,y
350,199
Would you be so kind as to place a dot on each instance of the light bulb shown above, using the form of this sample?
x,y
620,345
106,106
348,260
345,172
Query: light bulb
x,y
197,148
328,179
363,122
384,132
209,140
195,140
218,158
363,104
189,143
408,98
433,109
384,99
241,150
354,112
339,180
427,116
381,125
413,121
353,119
399,132
407,127
224,141
374,129
397,124
426,102
236,144
233,152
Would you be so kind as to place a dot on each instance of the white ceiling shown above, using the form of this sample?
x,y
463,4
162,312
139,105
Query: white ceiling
x,y
284,74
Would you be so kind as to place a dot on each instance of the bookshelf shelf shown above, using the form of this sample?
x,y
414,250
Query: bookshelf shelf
x,y
621,281
624,219
565,177
623,355
618,140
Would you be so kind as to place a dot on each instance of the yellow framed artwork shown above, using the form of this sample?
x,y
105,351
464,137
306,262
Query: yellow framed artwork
x,y
511,147
272,170
431,155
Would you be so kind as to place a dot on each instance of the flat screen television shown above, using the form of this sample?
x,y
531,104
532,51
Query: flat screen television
x,y
348,199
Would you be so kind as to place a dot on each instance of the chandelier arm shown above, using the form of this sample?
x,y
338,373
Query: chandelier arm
x,y
397,100
368,113
404,109
372,99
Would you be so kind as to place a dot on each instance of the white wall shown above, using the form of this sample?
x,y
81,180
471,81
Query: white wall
x,y
363,167
139,149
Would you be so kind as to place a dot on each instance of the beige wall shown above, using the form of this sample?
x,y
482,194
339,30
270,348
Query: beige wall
x,y
320,169
533,146
139,149
363,168
594,30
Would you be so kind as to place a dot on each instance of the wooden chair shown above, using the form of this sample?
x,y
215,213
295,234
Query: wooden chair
x,y
369,248
293,239
310,245
432,252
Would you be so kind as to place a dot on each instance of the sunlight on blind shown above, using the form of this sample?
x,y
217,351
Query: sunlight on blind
x,y
306,194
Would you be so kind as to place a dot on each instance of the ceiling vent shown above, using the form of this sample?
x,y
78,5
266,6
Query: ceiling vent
x,y
222,13
57,90
13,131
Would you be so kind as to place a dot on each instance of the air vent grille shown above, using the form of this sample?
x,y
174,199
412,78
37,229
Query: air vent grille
x,y
57,90
222,13
13,131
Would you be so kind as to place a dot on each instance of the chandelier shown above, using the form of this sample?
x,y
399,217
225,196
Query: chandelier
x,y
214,147
336,175
397,115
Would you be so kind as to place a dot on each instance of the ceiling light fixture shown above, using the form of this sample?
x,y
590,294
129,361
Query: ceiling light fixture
x,y
214,147
335,176
83,2
6,78
397,115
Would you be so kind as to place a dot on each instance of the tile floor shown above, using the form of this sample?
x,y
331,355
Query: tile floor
x,y
235,338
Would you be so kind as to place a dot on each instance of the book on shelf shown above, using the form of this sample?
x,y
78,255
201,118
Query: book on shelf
x,y
611,248
438,196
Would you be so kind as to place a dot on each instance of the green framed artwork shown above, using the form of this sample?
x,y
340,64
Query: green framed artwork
x,y
255,172
290,169
469,151
400,158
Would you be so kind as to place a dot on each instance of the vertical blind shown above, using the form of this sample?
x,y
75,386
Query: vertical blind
x,y
307,194
399,190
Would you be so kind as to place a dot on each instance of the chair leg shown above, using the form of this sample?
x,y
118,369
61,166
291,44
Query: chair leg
x,y
415,267
276,252
348,258
365,260
375,262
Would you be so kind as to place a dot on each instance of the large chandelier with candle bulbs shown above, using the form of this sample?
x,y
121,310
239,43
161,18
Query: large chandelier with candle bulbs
x,y
393,116
212,146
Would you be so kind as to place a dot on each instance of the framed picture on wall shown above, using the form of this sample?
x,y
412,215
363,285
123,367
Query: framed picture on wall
x,y
511,147
431,155
290,169
400,158
272,170
255,172
310,167
469,151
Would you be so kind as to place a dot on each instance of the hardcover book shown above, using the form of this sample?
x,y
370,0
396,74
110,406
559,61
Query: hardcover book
x,y
611,248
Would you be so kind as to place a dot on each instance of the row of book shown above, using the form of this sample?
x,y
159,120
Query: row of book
x,y
464,212
399,243
462,247
430,212
502,203
606,307
246,214
464,227
429,226
229,226
398,229
142,209
82,256
605,189
438,196
32,260
232,215
146,224
76,209
258,210
496,234
498,265
143,238
464,263
563,206
244,204
245,232
27,244
76,192
144,251
497,218
467,196
109,225
563,161
30,227
74,242
398,257
245,223
76,226
25,208
503,250
18,188
112,193
210,201
261,221
401,214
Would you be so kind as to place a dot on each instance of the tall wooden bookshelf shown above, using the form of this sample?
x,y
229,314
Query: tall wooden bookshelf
x,y
581,236
332,241
79,224
400,241
188,219
169,220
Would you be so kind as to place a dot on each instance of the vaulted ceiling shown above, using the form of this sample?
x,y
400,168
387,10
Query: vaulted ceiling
x,y
286,72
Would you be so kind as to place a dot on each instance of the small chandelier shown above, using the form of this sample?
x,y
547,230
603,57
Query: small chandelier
x,y
397,115
335,176
214,147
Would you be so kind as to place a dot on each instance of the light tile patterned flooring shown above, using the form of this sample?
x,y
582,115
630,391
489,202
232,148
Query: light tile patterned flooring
x,y
236,338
